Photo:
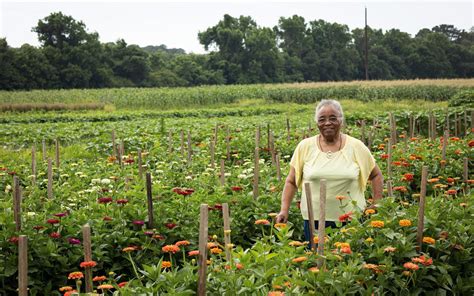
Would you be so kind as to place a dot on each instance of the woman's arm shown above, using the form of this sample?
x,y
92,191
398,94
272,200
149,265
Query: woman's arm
x,y
376,179
287,196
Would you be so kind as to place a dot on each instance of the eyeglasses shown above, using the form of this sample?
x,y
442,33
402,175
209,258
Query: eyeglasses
x,y
331,119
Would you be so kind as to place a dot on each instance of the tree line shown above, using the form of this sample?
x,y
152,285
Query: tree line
x,y
240,52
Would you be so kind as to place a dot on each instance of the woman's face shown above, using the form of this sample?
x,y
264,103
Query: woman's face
x,y
329,122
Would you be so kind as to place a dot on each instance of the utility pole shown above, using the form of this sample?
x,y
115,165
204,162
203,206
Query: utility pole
x,y
366,62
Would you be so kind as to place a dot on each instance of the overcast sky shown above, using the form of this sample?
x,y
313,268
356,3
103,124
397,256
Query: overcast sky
x,y
177,23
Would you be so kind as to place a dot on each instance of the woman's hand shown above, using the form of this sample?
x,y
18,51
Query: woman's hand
x,y
282,217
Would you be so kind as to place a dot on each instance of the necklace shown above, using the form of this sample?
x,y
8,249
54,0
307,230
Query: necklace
x,y
329,154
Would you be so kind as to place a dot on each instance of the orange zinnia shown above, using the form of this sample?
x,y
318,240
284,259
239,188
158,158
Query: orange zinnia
x,y
182,243
87,264
99,278
428,240
404,223
165,264
75,275
411,266
105,287
262,222
377,224
170,249
193,253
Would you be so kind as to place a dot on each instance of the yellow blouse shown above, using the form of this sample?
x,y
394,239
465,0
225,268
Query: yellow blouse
x,y
346,172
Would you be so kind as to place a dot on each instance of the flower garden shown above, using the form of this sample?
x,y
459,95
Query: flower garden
x,y
100,180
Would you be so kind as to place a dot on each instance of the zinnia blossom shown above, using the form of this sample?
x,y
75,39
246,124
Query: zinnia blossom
x,y
377,224
170,249
314,269
369,211
345,217
128,249
408,177
88,264
122,201
280,225
216,251
74,241
104,200
193,253
122,284
170,225
346,250
404,223
69,293
236,188
75,275
276,293
65,289
299,259
428,240
296,244
451,192
54,235
340,197
389,249
52,221
182,243
411,266
262,222
165,264
105,287
99,278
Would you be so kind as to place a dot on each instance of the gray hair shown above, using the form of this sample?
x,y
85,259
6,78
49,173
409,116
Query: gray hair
x,y
332,103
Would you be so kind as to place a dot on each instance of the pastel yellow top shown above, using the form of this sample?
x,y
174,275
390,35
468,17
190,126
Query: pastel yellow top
x,y
346,174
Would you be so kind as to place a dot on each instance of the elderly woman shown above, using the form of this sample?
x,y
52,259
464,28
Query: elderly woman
x,y
345,162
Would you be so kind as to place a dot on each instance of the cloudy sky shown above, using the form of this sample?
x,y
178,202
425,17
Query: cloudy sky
x,y
177,23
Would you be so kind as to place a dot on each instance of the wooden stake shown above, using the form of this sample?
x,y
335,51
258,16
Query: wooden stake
x,y
309,203
322,222
222,174
43,143
86,240
256,173
288,136
57,153
17,203
393,129
23,265
216,130
257,137
389,160
149,196
225,215
421,209
140,166
50,178
203,233
33,165
278,170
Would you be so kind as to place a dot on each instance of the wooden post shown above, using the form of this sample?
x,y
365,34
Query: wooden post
x,y
43,144
149,196
278,170
288,136
50,179
216,130
322,222
113,143
203,233
122,152
170,142
190,148
309,203
389,188
86,240
227,142
222,174
256,173
225,215
140,166
57,153
257,137
17,203
33,165
393,129
23,265
421,209
443,153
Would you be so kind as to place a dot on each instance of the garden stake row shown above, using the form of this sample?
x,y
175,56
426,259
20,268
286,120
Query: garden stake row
x,y
203,233
50,179
86,237
22,265
309,203
17,203
322,222
33,165
225,216
421,209
149,201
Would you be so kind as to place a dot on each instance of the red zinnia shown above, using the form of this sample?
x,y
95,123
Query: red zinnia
x,y
105,200
170,225
345,217
236,188
87,264
52,221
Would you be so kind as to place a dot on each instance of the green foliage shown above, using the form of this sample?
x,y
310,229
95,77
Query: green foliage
x,y
463,98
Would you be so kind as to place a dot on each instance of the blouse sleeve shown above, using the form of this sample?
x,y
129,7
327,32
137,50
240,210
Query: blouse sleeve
x,y
366,162
297,163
